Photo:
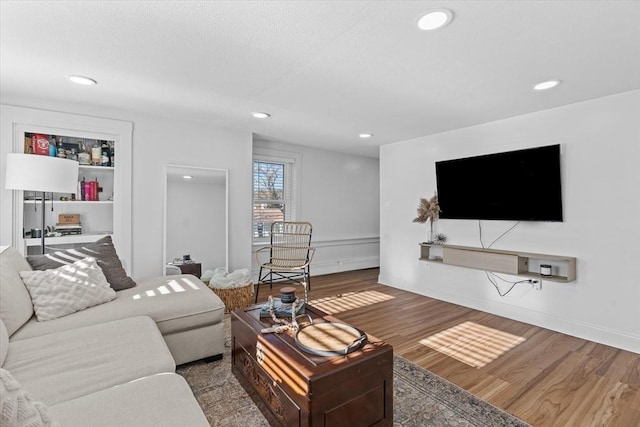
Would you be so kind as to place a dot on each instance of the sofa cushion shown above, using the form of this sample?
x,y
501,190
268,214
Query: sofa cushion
x,y
163,400
102,250
67,289
15,303
175,303
69,364
4,342
17,408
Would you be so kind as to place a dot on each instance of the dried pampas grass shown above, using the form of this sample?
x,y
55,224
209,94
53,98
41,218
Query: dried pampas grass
x,y
428,210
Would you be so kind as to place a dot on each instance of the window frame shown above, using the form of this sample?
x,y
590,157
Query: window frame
x,y
291,184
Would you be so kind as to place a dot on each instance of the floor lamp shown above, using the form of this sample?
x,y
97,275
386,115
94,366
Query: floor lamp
x,y
31,172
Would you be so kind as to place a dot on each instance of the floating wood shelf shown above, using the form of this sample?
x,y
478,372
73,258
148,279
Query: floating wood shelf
x,y
499,261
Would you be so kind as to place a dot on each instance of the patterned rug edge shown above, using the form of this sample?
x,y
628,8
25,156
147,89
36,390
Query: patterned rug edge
x,y
420,397
461,404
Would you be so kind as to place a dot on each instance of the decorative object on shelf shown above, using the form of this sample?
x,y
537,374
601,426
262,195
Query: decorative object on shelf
x,y
439,239
428,210
84,158
545,270
68,224
43,174
40,144
96,155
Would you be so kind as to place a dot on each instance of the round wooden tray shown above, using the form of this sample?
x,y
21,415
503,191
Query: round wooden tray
x,y
330,339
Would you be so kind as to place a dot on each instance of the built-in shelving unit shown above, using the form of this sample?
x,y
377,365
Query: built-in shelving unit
x,y
110,214
95,213
525,264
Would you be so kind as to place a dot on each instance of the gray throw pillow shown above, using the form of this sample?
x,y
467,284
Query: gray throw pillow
x,y
102,250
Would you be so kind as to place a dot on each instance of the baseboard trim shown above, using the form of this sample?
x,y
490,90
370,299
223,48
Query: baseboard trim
x,y
338,266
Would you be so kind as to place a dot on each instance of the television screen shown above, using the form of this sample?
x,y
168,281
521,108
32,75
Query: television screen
x,y
521,185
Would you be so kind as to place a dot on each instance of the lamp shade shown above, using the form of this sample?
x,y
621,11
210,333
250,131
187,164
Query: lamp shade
x,y
32,172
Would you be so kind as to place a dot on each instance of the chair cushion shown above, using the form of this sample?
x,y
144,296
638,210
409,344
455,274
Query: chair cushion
x,y
163,400
69,364
15,305
102,250
67,289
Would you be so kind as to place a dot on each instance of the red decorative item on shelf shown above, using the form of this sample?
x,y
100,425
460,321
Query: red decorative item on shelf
x,y
87,191
90,191
94,191
40,144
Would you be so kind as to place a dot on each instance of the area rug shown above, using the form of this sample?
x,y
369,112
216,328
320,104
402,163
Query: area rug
x,y
420,398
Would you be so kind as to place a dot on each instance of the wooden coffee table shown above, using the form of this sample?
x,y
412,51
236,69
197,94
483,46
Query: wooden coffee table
x,y
302,389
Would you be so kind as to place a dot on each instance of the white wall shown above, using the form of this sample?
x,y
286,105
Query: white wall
x,y
158,141
197,215
600,142
339,195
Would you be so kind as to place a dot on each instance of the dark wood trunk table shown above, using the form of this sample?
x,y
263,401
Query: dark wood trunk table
x,y
302,389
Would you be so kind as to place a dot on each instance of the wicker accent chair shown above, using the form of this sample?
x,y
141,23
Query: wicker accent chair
x,y
288,256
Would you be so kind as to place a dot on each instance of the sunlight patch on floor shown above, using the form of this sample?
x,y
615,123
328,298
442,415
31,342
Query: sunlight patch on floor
x,y
349,301
473,344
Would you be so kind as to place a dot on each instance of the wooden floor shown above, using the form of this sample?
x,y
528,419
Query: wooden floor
x,y
543,377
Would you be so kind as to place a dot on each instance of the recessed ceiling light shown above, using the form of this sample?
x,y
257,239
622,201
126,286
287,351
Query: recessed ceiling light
x,y
435,19
548,84
365,135
259,115
82,80
187,177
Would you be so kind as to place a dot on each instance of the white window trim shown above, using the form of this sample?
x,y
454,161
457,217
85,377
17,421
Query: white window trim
x,y
294,160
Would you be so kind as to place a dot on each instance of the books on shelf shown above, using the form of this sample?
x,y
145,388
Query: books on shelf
x,y
68,224
68,229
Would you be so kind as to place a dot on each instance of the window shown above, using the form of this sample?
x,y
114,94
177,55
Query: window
x,y
272,193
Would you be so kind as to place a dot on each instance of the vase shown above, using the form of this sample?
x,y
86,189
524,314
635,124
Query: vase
x,y
430,234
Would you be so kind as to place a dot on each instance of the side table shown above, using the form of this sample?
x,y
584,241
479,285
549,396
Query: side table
x,y
194,268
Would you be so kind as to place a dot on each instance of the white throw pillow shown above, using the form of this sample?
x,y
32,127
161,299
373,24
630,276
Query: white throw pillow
x,y
17,408
67,289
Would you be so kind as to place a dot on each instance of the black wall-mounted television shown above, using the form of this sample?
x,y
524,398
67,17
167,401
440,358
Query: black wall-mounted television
x,y
522,185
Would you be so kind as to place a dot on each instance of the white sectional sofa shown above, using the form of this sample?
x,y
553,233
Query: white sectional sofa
x,y
111,364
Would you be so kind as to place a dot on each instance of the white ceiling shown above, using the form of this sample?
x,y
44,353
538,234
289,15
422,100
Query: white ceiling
x,y
325,70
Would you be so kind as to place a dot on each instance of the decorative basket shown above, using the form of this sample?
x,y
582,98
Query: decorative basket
x,y
234,298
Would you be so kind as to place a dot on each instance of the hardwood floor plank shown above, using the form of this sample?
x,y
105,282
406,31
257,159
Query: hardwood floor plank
x,y
549,379
487,386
